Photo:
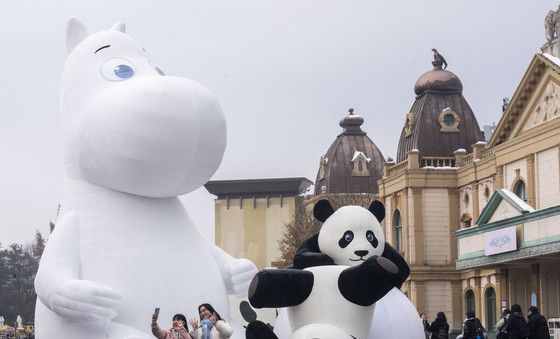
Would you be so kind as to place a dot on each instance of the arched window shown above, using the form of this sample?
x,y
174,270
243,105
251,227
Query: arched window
x,y
520,190
397,228
490,308
360,166
469,301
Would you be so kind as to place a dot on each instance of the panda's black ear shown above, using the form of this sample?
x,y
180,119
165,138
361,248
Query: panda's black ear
x,y
322,210
378,209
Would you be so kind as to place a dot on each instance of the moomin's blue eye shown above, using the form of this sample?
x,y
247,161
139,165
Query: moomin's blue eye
x,y
123,71
117,69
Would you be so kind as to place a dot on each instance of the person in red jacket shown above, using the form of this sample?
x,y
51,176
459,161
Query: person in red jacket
x,y
179,328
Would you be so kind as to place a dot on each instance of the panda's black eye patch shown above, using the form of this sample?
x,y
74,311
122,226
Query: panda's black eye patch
x,y
372,239
346,239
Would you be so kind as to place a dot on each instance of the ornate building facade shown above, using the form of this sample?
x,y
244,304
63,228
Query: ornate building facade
x,y
477,220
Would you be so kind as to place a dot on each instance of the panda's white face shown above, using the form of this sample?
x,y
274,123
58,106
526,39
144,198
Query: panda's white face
x,y
351,235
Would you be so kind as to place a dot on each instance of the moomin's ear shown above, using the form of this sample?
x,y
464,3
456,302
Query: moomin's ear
x,y
76,31
119,27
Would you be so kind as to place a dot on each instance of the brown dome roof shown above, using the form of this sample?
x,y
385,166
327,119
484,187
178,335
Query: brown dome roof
x,y
438,94
438,80
352,164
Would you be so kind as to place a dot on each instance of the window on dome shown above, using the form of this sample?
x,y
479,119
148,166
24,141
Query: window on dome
x,y
360,161
449,121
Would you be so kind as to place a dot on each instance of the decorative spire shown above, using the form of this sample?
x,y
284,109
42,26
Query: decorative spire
x,y
352,123
439,60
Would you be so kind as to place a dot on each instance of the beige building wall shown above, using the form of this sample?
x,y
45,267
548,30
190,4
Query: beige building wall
x,y
438,298
435,210
277,215
229,227
542,229
410,225
511,173
548,184
466,202
485,190
389,221
520,283
251,228
550,277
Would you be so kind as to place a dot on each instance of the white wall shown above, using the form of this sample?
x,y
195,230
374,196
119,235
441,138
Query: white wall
x,y
548,181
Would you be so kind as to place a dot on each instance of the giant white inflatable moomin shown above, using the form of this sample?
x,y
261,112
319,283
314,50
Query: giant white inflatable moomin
x,y
134,140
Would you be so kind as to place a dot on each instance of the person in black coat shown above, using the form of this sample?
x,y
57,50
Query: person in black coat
x,y
473,327
516,326
538,328
440,327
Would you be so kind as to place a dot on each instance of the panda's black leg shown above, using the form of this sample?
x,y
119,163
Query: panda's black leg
x,y
259,330
368,282
280,288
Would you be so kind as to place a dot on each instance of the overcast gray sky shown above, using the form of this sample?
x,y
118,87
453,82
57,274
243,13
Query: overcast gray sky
x,y
285,73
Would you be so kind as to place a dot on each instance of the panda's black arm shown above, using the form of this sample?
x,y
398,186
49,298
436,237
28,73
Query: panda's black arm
x,y
396,258
368,282
280,288
259,330
309,254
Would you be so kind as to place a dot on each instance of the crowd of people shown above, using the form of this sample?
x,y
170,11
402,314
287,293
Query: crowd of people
x,y
210,326
512,325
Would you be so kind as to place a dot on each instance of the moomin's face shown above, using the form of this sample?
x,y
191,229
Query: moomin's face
x,y
132,129
351,235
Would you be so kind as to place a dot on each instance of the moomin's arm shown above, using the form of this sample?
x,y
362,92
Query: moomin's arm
x,y
236,273
58,283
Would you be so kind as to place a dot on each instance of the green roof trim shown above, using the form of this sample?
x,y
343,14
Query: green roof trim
x,y
493,203
519,219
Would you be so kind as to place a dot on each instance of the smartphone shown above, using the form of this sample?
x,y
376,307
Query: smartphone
x,y
156,312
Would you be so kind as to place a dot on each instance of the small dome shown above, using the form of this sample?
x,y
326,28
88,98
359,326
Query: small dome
x,y
438,80
351,123
352,164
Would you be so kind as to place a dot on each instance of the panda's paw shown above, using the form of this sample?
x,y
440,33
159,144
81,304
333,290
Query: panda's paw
x,y
368,282
382,263
280,288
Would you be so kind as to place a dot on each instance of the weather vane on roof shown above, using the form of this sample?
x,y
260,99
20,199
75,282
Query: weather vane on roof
x,y
438,60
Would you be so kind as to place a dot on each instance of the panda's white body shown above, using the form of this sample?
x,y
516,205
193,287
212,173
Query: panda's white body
x,y
395,317
326,308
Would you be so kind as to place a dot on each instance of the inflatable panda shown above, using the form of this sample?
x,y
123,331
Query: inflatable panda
x,y
332,292
134,139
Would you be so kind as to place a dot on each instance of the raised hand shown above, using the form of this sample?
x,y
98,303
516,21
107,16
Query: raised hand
x,y
85,300
194,324
240,273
